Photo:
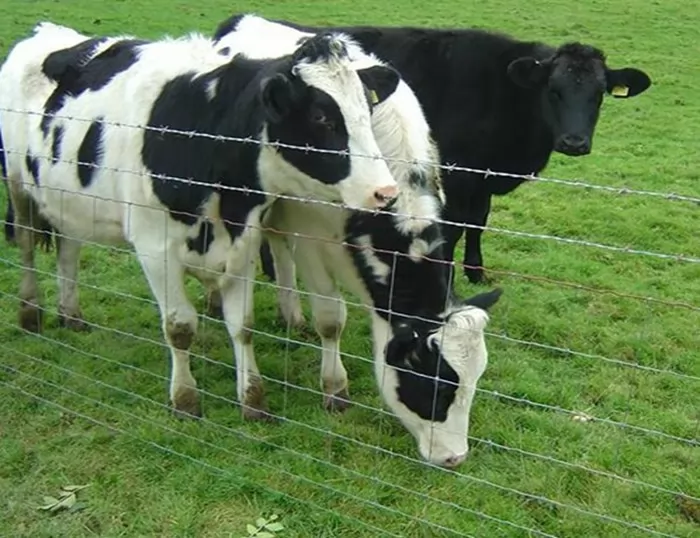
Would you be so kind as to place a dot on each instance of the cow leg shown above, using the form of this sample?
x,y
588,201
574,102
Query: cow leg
x,y
214,308
69,314
9,222
473,259
287,296
166,275
237,288
30,311
330,314
267,261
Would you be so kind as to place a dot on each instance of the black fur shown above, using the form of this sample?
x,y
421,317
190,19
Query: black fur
x,y
494,103
90,152
249,94
76,73
32,164
56,143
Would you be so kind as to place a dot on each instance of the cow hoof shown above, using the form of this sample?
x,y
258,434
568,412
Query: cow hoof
x,y
294,320
257,415
477,276
254,406
73,323
186,403
30,317
215,311
337,403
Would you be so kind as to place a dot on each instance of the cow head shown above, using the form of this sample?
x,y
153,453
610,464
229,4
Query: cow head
x,y
322,101
572,83
433,371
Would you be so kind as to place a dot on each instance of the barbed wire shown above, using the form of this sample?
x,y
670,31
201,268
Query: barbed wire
x,y
308,148
605,517
287,385
339,205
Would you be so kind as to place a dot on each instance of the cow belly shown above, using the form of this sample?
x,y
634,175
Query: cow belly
x,y
83,215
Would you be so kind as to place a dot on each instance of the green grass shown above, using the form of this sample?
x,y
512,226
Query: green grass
x,y
161,477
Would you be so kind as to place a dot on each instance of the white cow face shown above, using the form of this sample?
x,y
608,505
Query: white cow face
x,y
325,103
431,374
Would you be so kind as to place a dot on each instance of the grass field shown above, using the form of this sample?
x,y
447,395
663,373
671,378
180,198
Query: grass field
x,y
533,468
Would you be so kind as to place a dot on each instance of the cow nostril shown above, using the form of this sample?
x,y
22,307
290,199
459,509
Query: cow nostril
x,y
385,195
455,460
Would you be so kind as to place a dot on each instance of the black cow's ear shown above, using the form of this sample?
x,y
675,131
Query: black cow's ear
x,y
402,345
276,97
528,72
380,80
484,300
626,82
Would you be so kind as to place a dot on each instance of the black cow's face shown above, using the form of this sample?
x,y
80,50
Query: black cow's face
x,y
572,83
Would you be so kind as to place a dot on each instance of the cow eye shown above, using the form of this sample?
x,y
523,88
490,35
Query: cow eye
x,y
319,118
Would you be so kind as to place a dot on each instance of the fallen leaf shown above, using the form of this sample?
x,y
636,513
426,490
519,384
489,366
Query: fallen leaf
x,y
66,502
49,502
75,488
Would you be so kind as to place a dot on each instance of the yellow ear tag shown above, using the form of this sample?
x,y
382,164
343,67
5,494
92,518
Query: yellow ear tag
x,y
374,96
620,91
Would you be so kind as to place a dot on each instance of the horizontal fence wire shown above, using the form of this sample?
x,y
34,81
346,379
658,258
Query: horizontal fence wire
x,y
290,341
501,336
603,517
247,190
378,410
496,394
307,148
189,458
488,442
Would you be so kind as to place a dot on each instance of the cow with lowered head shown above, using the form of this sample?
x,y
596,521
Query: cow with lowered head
x,y
429,347
495,103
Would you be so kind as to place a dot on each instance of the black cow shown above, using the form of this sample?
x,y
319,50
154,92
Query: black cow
x,y
494,103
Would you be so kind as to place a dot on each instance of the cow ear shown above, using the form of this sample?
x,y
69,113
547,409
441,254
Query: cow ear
x,y
484,300
276,96
626,82
402,345
528,72
380,80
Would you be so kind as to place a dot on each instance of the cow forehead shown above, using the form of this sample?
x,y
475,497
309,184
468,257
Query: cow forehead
x,y
461,340
342,83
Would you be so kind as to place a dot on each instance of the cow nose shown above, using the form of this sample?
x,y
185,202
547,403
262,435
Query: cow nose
x,y
455,460
574,145
383,196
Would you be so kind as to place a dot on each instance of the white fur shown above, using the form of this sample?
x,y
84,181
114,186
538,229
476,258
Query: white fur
x,y
402,133
121,207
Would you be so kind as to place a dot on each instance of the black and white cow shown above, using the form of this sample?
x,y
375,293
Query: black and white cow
x,y
98,178
493,103
429,349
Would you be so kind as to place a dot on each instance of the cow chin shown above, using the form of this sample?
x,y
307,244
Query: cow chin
x,y
440,443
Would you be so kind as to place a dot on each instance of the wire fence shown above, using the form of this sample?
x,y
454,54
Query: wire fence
x,y
94,386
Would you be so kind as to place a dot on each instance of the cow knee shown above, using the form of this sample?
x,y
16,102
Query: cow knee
x,y
180,329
